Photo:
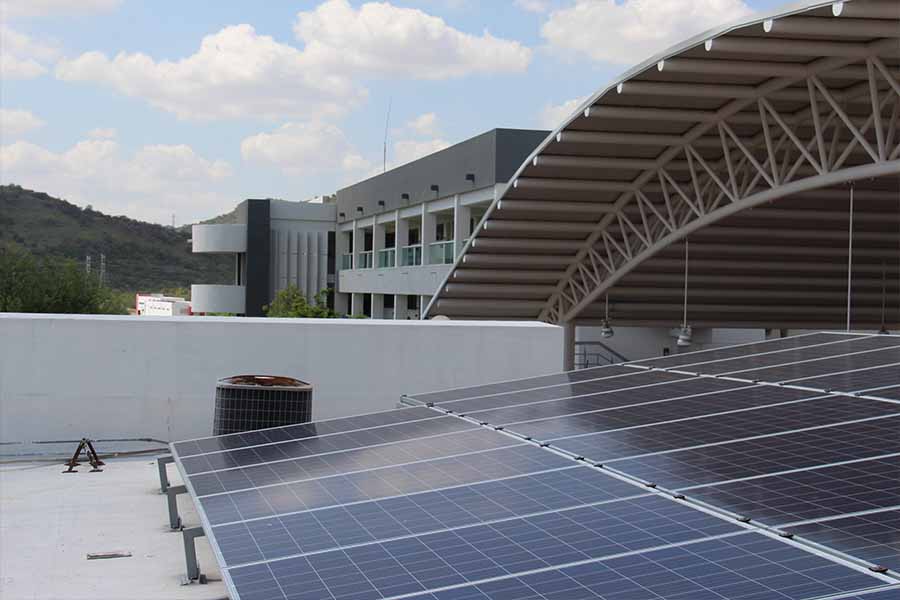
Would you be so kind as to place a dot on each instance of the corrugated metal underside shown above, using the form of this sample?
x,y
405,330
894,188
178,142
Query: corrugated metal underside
x,y
745,143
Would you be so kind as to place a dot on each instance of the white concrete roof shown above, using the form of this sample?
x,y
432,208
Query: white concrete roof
x,y
50,521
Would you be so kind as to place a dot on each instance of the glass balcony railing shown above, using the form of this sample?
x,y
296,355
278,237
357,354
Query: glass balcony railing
x,y
440,253
365,260
387,258
346,262
411,256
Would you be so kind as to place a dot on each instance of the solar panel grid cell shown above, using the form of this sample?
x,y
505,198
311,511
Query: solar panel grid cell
x,y
348,461
823,367
807,495
853,346
685,408
856,380
614,445
605,400
301,431
873,537
414,514
634,380
244,457
748,566
522,384
379,483
774,345
468,555
750,458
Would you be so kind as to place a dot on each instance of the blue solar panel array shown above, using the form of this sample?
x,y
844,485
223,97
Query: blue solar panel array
x,y
755,472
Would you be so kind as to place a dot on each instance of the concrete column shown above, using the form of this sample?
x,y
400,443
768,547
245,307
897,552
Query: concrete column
x,y
377,306
568,345
358,241
423,304
399,306
377,241
401,235
427,233
461,216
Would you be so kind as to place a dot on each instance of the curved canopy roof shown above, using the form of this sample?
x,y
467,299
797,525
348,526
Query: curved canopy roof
x,y
740,146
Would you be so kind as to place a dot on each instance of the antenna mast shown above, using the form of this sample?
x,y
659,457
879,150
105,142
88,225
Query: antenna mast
x,y
387,123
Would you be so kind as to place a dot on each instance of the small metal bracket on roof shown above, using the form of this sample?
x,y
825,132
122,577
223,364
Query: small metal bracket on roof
x,y
483,423
786,535
449,412
171,498
190,555
527,438
161,462
581,458
743,519
878,569
544,444
87,447
429,404
679,496
650,484
498,428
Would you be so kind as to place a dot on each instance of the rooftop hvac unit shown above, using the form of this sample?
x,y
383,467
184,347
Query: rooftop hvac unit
x,y
248,402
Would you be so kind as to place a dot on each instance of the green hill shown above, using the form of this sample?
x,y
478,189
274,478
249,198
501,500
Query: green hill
x,y
139,256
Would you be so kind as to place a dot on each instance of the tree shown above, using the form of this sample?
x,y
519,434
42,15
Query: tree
x,y
32,285
291,303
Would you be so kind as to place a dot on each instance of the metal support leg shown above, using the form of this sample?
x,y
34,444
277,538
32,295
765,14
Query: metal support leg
x,y
568,345
171,496
190,553
161,463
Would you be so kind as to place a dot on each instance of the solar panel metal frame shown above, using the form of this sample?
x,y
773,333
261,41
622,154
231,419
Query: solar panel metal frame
x,y
208,527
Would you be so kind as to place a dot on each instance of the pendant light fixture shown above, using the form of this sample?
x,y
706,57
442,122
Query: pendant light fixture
x,y
685,334
606,330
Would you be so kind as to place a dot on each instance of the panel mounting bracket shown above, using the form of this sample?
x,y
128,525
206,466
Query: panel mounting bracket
x,y
161,462
171,498
189,536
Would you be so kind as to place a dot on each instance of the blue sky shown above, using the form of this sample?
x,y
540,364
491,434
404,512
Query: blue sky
x,y
169,107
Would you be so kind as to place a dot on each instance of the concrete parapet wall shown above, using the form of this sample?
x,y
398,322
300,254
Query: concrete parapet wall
x,y
68,376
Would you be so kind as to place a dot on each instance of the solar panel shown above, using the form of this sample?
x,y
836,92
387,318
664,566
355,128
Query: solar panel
x,y
856,380
279,451
301,431
659,412
812,494
521,384
639,396
633,380
804,370
607,446
413,514
748,566
804,356
773,345
370,484
434,503
762,456
874,537
466,555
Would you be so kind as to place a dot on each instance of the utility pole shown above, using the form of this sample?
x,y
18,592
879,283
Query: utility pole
x,y
102,269
87,264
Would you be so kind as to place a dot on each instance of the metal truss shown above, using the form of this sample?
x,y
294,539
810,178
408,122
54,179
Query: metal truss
x,y
737,160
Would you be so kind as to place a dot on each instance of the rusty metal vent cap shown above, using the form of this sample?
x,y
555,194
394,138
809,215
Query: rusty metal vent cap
x,y
267,381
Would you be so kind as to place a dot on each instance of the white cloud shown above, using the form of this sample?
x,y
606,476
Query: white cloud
x,y
406,151
534,6
235,73
424,124
15,123
11,9
151,184
305,148
103,133
23,57
553,115
380,39
631,30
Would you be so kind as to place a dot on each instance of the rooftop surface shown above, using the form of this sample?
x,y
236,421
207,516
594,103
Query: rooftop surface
x,y
49,522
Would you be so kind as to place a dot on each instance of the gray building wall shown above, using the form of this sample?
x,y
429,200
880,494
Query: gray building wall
x,y
492,157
